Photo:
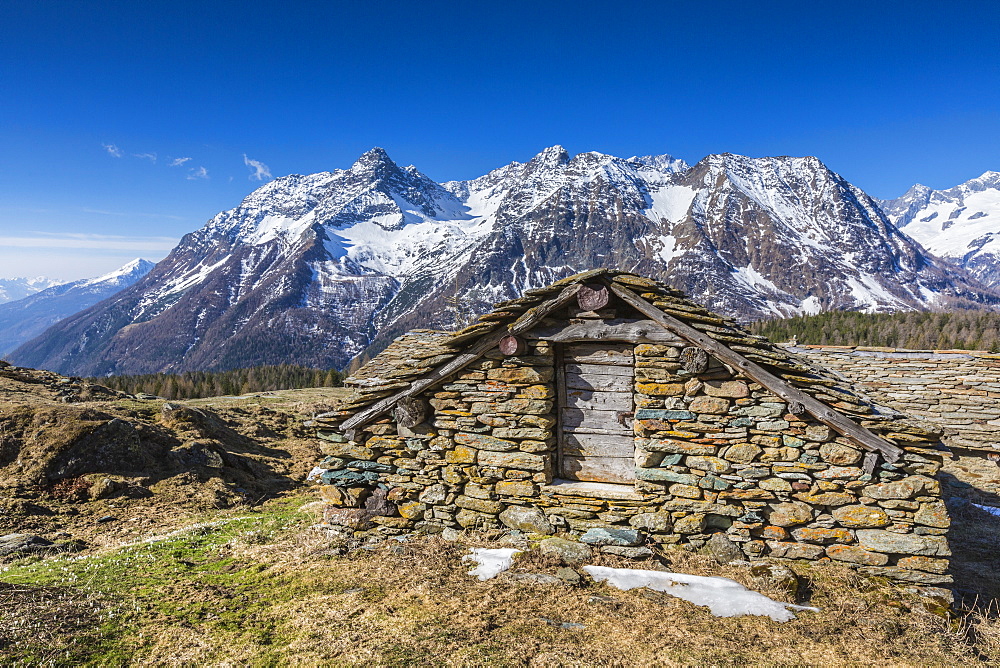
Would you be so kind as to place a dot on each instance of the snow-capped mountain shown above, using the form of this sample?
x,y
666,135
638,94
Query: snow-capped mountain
x,y
19,288
961,224
317,269
26,318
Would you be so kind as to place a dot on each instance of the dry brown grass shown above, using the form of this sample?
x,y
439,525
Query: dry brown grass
x,y
412,603
263,589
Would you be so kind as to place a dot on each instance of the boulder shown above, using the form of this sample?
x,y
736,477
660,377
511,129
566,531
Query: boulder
x,y
569,552
528,520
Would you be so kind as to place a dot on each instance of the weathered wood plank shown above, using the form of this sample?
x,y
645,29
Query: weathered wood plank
x,y
600,353
596,421
598,469
598,369
575,381
597,445
632,331
597,400
484,345
825,414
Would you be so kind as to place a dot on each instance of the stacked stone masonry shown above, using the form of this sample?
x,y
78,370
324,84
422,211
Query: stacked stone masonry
x,y
958,390
714,451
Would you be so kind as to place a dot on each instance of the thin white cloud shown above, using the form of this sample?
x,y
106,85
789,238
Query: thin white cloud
x,y
94,241
146,156
113,150
258,170
177,162
200,173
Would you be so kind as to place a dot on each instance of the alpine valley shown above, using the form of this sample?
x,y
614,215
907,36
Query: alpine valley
x,y
319,269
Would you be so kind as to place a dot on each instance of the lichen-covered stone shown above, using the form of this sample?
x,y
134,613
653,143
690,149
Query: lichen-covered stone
x,y
665,475
611,536
906,488
710,405
684,491
862,517
821,535
663,414
530,375
484,442
776,485
412,510
924,564
819,498
895,543
790,514
479,505
841,455
839,473
513,460
933,515
710,464
693,523
742,453
732,389
794,550
460,455
856,555
674,446
524,488
526,519
660,389
569,552
658,522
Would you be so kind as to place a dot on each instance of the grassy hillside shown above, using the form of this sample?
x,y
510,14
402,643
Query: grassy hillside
x,y
968,330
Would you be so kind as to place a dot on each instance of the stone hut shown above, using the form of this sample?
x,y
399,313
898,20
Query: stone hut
x,y
607,400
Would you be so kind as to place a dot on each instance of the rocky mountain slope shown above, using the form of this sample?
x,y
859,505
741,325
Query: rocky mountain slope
x,y
317,269
18,288
26,318
961,224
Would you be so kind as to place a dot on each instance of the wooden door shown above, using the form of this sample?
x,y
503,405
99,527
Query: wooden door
x,y
596,440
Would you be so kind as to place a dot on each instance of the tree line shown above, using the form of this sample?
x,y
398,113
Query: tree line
x,y
198,384
967,330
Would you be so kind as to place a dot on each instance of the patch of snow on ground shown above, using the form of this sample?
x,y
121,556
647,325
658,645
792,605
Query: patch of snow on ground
x,y
490,562
724,597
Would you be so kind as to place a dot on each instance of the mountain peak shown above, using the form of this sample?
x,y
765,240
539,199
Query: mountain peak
x,y
373,159
553,156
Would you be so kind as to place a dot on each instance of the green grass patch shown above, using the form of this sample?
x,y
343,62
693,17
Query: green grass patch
x,y
199,577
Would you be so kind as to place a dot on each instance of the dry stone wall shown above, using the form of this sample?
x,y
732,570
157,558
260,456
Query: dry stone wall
x,y
957,390
715,454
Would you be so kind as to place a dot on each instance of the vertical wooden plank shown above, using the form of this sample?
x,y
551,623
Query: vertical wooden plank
x,y
558,360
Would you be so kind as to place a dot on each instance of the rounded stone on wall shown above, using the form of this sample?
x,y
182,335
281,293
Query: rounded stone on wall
x,y
841,455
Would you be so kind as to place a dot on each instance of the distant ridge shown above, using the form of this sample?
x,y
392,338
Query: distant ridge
x,y
26,318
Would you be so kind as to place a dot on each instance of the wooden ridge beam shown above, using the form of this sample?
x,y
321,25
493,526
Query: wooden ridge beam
x,y
527,320
825,414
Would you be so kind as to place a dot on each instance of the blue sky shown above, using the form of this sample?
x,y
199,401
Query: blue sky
x,y
124,125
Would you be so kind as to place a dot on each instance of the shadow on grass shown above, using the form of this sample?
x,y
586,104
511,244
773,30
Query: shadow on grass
x,y
974,538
